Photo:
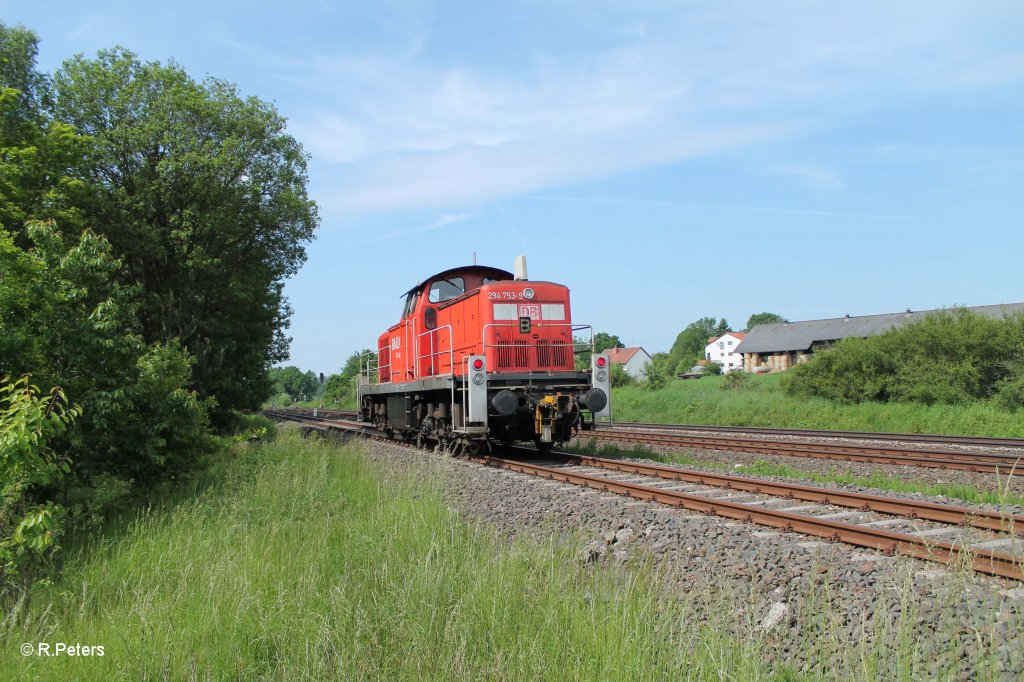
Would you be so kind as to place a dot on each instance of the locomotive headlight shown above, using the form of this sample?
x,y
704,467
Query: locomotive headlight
x,y
478,378
602,375
527,293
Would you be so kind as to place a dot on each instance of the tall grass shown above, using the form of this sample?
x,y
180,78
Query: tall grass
x,y
307,563
704,401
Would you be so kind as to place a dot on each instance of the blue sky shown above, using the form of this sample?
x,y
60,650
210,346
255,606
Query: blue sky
x,y
665,160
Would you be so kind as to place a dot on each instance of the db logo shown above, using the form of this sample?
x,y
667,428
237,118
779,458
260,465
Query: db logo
x,y
396,343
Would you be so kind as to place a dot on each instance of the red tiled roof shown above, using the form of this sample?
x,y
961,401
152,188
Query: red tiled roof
x,y
620,356
738,335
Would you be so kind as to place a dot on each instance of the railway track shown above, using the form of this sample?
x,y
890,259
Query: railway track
x,y
869,532
984,441
934,458
755,440
913,528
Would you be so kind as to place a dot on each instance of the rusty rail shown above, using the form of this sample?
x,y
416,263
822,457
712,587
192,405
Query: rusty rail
x,y
911,509
982,561
941,459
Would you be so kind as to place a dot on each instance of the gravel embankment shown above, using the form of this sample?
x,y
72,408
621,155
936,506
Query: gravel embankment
x,y
800,592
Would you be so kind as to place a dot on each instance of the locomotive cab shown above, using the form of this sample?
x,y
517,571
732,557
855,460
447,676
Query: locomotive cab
x,y
479,354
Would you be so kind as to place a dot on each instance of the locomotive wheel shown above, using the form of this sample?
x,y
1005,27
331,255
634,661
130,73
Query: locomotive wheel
x,y
542,447
474,448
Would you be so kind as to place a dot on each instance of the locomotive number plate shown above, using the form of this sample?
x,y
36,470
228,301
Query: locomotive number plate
x,y
505,296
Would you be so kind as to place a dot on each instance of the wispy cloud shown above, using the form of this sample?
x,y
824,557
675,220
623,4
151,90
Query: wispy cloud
x,y
83,29
817,177
405,127
441,221
720,207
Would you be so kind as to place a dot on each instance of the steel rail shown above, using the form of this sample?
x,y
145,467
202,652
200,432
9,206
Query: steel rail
x,y
981,560
989,441
912,509
939,459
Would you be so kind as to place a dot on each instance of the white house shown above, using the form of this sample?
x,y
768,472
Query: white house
x,y
722,350
633,360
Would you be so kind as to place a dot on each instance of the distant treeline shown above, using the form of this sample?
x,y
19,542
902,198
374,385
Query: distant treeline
x,y
147,224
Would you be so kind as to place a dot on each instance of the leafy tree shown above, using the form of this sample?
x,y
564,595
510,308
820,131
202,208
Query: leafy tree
x,y
602,341
297,384
763,318
68,322
690,343
202,196
35,150
340,389
28,529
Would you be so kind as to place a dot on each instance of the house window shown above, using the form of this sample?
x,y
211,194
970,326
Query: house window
x,y
721,344
730,342
709,356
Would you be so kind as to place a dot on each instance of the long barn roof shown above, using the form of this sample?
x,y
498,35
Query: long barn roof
x,y
795,336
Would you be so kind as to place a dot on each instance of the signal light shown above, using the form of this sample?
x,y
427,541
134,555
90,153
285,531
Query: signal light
x,y
478,364
601,362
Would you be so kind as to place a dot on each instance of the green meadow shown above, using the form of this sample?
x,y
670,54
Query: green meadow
x,y
764,403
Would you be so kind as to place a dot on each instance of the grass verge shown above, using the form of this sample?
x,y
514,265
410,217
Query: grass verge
x,y
765,404
307,563
305,560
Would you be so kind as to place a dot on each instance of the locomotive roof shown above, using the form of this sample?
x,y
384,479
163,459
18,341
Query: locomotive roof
x,y
485,270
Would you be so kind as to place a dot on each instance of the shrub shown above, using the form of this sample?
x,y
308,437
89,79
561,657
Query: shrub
x,y
654,377
28,530
1009,393
620,377
711,369
738,381
950,357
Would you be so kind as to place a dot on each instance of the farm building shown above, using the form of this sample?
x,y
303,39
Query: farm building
x,y
779,346
633,360
722,350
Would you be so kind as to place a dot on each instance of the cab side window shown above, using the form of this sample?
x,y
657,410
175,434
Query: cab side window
x,y
446,289
410,303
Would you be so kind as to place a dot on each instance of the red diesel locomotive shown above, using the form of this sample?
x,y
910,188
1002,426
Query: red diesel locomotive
x,y
481,353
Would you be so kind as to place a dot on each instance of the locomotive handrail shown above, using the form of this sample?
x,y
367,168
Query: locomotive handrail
x,y
432,354
451,355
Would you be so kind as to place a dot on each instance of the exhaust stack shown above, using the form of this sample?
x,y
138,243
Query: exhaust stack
x,y
520,268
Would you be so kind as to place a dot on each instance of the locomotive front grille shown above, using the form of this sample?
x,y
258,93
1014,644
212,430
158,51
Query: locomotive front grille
x,y
551,354
514,355
521,355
